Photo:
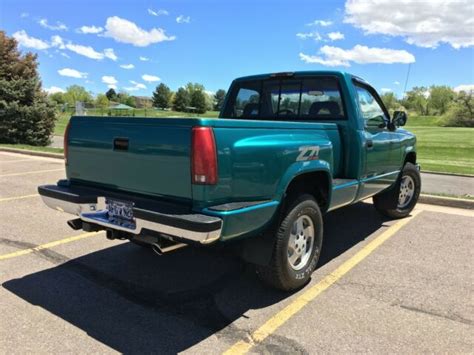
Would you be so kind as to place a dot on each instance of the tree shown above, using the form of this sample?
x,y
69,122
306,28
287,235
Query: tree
x,y
461,111
390,101
198,100
181,100
125,99
417,100
102,101
26,114
440,98
111,95
219,97
77,93
162,96
197,97
58,98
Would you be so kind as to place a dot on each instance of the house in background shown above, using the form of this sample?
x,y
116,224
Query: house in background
x,y
143,102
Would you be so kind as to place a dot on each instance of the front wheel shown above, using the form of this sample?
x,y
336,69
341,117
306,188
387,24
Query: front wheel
x,y
297,247
408,194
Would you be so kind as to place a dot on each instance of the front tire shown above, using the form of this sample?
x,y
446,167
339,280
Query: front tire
x,y
408,194
297,246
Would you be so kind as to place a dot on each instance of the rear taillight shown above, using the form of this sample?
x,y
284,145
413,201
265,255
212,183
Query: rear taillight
x,y
65,144
204,156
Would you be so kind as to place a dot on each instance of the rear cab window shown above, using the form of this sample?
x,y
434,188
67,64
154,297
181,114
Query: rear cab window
x,y
307,98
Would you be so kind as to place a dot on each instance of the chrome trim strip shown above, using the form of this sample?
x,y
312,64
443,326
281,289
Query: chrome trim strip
x,y
95,212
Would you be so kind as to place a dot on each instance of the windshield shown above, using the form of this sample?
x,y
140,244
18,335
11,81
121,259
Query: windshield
x,y
314,98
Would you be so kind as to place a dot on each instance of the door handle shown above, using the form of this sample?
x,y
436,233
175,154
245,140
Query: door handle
x,y
369,143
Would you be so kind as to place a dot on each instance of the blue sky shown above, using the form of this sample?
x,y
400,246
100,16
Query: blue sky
x,y
213,42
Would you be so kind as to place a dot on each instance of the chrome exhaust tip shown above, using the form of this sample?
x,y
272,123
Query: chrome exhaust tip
x,y
75,224
160,249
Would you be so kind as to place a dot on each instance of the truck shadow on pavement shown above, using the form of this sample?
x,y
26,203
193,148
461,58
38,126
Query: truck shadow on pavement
x,y
133,301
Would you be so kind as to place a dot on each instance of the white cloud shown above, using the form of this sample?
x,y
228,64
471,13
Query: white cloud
x,y
465,87
89,29
126,31
58,27
57,41
335,36
396,82
109,53
150,78
73,73
110,80
53,90
305,35
65,55
112,86
127,66
158,13
136,86
24,14
183,19
385,90
422,23
30,42
322,23
144,59
86,51
334,56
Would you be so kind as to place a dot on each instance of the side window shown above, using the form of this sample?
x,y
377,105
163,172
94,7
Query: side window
x,y
246,103
321,99
369,106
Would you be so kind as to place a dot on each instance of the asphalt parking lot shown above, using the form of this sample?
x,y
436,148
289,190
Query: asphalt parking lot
x,y
381,286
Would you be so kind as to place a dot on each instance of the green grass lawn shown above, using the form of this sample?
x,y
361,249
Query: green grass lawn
x,y
33,147
443,149
63,118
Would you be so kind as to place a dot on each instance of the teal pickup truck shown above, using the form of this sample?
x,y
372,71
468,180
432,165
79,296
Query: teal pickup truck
x,y
286,148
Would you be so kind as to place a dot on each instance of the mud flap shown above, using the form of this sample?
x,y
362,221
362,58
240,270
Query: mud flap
x,y
388,199
258,250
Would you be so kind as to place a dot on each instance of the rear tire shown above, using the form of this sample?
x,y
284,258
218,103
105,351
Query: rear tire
x,y
297,246
409,192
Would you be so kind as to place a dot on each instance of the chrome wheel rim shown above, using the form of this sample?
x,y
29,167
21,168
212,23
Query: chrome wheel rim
x,y
407,191
301,242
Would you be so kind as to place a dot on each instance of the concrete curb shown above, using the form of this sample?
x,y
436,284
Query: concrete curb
x,y
447,201
32,152
445,174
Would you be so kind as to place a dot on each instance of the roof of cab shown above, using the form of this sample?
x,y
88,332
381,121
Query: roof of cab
x,y
297,74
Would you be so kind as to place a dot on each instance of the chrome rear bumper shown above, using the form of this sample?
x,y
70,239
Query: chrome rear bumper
x,y
91,208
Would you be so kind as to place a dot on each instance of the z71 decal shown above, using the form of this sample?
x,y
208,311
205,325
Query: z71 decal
x,y
308,153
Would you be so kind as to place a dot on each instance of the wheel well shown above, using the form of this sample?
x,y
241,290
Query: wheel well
x,y
410,158
314,183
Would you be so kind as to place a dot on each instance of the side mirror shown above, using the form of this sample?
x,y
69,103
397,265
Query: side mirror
x,y
376,122
399,118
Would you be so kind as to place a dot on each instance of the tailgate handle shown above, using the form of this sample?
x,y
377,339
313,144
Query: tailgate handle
x,y
121,144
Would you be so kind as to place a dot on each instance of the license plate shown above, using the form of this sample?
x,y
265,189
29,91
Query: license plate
x,y
119,210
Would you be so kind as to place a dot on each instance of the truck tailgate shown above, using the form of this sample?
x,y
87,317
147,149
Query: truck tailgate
x,y
143,155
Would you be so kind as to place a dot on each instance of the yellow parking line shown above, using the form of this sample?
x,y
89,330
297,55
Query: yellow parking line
x,y
17,198
243,346
48,245
32,172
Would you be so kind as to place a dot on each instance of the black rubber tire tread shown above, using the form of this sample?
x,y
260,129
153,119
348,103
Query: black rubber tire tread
x,y
278,274
411,170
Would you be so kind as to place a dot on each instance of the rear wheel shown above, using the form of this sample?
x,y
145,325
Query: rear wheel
x,y
297,247
408,194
